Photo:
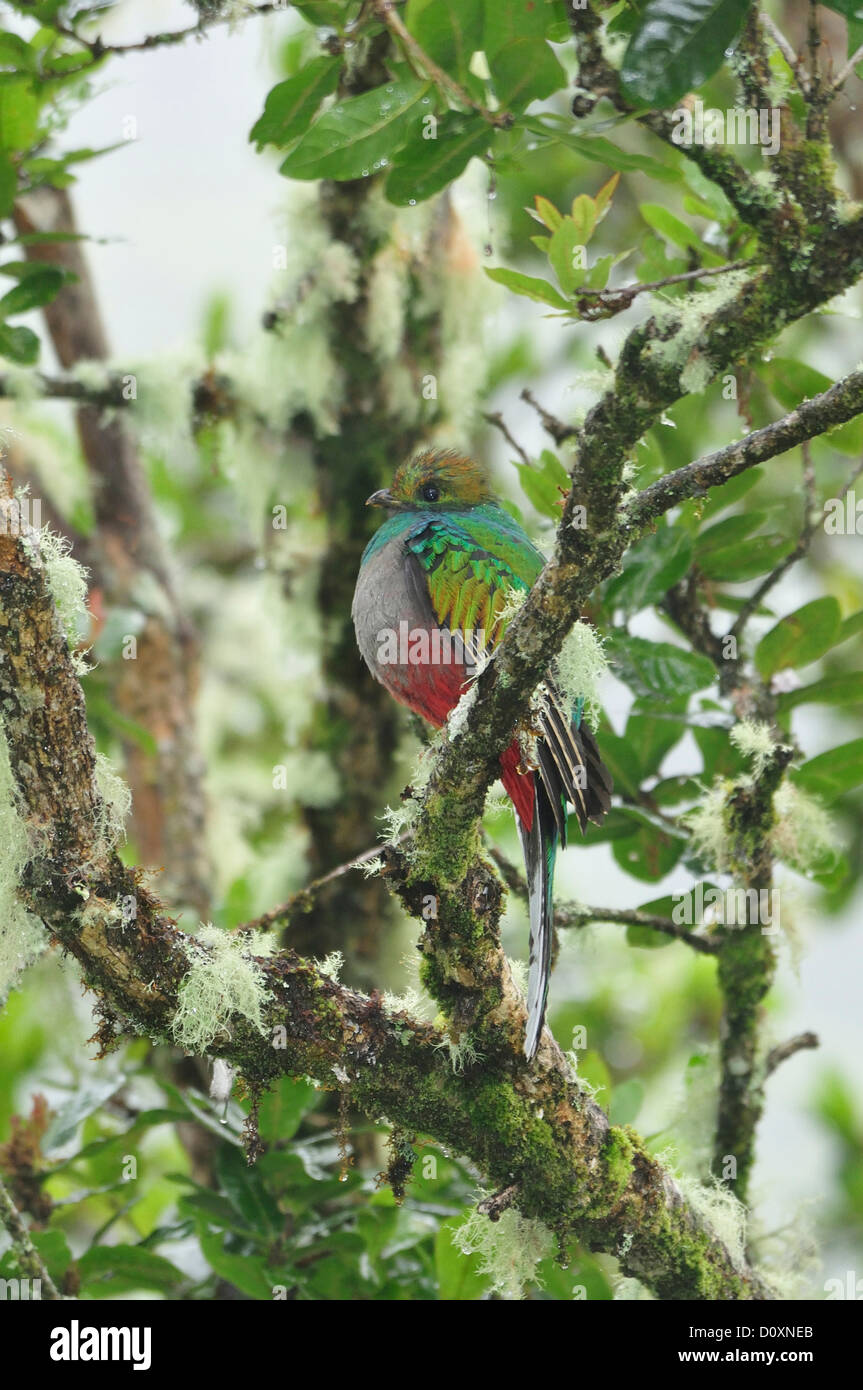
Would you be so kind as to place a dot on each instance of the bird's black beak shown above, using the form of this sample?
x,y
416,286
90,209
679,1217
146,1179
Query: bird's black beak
x,y
382,498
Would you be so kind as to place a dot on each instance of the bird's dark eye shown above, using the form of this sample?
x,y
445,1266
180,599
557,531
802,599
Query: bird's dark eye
x,y
431,493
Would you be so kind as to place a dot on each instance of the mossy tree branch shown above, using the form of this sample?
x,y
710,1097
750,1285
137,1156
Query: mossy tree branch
x,y
29,1261
539,1132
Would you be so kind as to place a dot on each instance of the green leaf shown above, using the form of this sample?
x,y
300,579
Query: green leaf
x,y
655,734
245,1190
617,825
677,45
33,291
545,486
507,20
650,853
850,627
284,1107
19,345
19,115
424,166
564,241
8,183
290,106
852,9
359,135
15,53
602,151
845,689
89,1098
799,638
650,569
671,227
728,532
523,71
653,669
459,1279
547,213
792,382
528,285
127,1268
449,31
832,773
745,560
719,755
624,765
325,14
54,1249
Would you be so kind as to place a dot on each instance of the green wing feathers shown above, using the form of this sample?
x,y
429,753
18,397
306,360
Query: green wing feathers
x,y
470,569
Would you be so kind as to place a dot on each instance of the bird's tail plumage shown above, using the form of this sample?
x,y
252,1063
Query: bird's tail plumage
x,y
570,770
539,845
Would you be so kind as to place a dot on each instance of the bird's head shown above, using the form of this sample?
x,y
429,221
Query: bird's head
x,y
434,480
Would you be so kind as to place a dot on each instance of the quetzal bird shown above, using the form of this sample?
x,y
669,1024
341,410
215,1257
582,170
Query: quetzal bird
x,y
442,566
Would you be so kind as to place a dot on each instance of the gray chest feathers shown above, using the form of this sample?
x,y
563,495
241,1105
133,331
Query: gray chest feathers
x,y
389,592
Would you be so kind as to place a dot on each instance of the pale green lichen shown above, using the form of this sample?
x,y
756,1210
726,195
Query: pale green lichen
x,y
581,667
755,741
331,965
509,1249
803,835
457,718
518,971
707,827
683,321
697,374
413,1001
223,980
116,801
22,939
462,1054
160,410
721,1213
67,582
21,384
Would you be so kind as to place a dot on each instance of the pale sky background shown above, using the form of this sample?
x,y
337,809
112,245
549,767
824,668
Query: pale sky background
x,y
191,209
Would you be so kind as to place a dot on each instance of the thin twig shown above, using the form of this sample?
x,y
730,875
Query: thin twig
x,y
495,418
494,1207
446,85
30,1262
550,423
99,49
629,292
779,1054
302,900
577,915
794,60
844,73
836,406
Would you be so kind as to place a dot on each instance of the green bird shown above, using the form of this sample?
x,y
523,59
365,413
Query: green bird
x,y
432,600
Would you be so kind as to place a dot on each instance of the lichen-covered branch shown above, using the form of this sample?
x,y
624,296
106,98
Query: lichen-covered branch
x,y
29,1261
816,416
747,964
538,1131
